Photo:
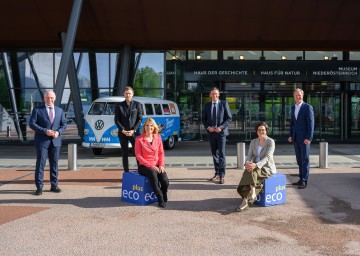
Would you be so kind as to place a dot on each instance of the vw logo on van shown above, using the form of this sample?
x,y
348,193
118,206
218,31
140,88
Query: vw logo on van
x,y
99,124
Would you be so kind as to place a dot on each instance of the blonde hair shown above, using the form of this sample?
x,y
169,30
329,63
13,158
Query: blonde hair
x,y
299,90
215,89
151,121
128,88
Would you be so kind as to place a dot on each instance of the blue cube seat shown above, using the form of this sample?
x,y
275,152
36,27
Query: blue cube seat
x,y
136,189
273,192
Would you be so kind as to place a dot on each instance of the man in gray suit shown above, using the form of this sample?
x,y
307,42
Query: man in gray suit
x,y
49,123
301,134
216,118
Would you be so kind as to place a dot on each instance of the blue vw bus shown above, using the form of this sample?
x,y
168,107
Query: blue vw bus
x,y
101,132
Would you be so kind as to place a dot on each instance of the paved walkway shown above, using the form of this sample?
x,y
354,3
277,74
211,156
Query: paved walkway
x,y
89,218
185,155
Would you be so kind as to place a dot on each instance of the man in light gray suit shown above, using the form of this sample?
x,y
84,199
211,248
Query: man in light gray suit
x,y
301,134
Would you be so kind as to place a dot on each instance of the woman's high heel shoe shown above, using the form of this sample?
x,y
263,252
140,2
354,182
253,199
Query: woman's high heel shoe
x,y
252,195
243,206
252,198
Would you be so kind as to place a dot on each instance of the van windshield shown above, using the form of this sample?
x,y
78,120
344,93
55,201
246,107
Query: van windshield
x,y
102,108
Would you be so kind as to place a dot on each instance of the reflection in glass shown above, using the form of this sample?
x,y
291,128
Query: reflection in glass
x,y
242,55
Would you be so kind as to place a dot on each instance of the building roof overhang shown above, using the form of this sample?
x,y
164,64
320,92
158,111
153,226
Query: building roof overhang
x,y
202,24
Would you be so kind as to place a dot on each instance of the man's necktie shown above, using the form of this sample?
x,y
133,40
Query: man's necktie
x,y
51,114
213,119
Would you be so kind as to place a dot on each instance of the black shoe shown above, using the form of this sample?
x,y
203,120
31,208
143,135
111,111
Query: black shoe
x,y
38,192
297,183
302,185
161,201
162,204
55,189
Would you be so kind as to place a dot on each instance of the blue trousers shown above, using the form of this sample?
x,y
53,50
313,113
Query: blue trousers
x,y
217,144
302,152
44,152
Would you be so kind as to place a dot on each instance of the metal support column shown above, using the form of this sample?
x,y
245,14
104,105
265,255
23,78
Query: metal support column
x,y
11,94
123,69
94,76
35,75
116,91
75,94
67,51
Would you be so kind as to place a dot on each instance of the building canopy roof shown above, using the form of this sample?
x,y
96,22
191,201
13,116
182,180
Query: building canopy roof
x,y
199,24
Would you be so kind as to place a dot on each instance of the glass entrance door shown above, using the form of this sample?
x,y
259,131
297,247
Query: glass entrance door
x,y
355,116
327,109
278,114
246,112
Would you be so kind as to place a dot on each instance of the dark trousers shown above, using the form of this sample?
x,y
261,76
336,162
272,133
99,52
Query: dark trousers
x,y
217,145
44,152
124,143
156,178
302,153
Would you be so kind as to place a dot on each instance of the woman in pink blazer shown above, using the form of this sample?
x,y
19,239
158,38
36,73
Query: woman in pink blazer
x,y
149,153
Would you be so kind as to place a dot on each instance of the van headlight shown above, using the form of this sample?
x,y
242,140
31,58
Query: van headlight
x,y
86,131
114,132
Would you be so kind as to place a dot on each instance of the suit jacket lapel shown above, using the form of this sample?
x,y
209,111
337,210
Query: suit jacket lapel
x,y
219,110
256,144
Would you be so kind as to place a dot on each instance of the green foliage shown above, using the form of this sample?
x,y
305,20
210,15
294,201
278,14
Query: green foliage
x,y
147,83
4,98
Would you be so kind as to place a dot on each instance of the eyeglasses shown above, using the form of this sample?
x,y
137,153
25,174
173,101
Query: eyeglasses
x,y
261,130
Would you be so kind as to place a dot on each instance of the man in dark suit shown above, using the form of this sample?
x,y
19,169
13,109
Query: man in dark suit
x,y
49,123
216,118
128,116
301,134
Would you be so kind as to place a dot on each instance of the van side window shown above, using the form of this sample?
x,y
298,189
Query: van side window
x,y
149,110
158,110
97,108
166,109
110,109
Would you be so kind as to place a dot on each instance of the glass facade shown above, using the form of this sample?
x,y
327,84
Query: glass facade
x,y
163,74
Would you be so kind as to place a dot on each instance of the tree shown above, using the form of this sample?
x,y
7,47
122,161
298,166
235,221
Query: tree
x,y
147,83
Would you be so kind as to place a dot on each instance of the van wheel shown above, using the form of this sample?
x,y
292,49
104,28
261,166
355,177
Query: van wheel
x,y
97,151
170,142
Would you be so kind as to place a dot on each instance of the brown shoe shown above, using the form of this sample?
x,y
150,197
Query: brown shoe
x,y
215,178
221,181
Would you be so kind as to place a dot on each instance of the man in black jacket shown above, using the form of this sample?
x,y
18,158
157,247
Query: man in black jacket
x,y
128,116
